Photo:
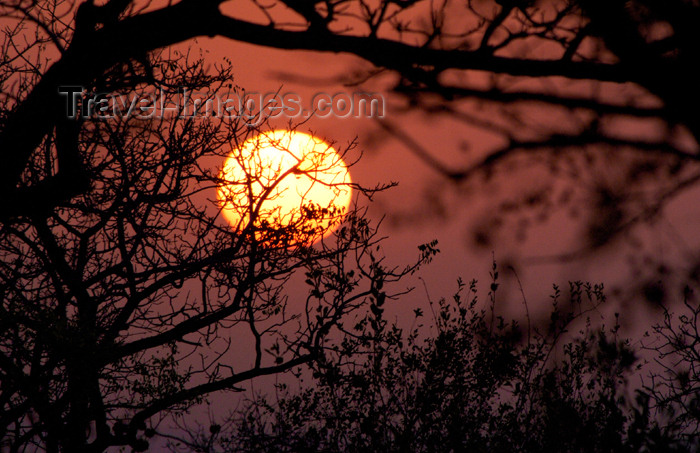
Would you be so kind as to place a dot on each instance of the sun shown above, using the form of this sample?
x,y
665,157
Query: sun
x,y
289,183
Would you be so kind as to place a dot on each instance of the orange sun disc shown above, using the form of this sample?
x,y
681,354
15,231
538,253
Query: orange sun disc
x,y
288,182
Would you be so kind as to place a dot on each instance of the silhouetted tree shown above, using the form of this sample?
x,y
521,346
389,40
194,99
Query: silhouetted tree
x,y
675,390
605,64
474,383
135,299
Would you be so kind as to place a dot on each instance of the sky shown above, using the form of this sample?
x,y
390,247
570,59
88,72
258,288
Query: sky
x,y
426,206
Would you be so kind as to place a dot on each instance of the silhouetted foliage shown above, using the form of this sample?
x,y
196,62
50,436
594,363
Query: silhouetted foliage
x,y
474,382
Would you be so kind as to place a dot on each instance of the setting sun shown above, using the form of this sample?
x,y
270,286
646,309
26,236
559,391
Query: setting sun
x,y
285,179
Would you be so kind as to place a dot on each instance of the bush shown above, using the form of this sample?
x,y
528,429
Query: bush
x,y
477,384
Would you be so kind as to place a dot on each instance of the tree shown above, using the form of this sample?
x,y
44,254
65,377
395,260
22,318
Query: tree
x,y
675,390
135,299
474,383
650,46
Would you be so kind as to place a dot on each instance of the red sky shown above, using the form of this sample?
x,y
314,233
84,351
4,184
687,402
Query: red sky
x,y
407,221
